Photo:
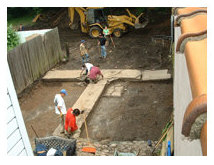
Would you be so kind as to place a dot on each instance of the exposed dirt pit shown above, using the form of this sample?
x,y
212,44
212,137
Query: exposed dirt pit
x,y
38,108
130,111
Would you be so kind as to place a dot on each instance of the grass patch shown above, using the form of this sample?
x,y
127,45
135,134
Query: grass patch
x,y
25,20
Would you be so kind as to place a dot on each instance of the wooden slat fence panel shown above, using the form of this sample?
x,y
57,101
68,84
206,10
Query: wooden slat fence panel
x,y
30,60
34,48
52,47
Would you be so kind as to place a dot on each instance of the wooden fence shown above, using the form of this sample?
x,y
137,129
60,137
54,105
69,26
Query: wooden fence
x,y
30,60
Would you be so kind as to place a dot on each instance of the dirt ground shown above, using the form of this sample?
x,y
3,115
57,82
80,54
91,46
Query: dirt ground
x,y
38,108
134,50
141,113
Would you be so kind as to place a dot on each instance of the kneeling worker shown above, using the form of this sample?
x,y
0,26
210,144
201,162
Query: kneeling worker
x,y
70,121
95,74
87,67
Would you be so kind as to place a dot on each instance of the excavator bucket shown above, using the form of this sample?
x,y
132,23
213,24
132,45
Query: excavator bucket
x,y
141,21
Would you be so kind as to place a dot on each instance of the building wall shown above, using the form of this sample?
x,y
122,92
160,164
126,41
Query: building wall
x,y
18,143
182,97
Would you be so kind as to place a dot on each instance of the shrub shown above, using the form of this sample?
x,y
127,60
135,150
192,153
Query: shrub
x,y
12,38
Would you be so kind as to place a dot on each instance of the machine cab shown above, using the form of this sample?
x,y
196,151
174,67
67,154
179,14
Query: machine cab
x,y
96,16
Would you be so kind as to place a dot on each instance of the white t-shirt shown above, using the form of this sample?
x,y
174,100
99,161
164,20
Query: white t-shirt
x,y
88,66
59,101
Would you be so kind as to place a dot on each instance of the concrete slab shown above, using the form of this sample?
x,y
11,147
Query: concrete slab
x,y
62,75
86,101
155,75
90,95
74,75
122,74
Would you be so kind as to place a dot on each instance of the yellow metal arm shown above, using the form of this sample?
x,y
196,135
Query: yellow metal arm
x,y
130,14
80,11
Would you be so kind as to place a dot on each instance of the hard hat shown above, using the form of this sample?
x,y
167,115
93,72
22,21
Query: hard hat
x,y
64,91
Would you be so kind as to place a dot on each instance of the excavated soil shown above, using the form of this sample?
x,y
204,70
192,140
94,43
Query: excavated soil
x,y
141,112
134,50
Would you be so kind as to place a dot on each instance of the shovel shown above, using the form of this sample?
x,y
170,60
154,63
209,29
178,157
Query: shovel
x,y
112,41
89,148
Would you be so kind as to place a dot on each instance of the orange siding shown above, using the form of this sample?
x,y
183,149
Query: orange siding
x,y
196,57
195,24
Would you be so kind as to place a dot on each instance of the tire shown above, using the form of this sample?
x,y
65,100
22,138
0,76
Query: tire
x,y
127,29
118,33
95,31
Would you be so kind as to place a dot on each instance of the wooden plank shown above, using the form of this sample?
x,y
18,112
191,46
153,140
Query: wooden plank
x,y
10,114
43,58
27,66
35,50
11,127
33,60
48,49
52,47
11,61
13,139
39,56
17,149
20,70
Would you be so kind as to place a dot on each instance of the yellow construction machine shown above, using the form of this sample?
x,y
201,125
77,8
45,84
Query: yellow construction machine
x,y
94,19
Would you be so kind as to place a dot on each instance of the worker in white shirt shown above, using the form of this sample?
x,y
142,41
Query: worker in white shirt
x,y
87,67
60,108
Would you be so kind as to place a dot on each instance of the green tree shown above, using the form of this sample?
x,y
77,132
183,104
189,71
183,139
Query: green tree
x,y
12,38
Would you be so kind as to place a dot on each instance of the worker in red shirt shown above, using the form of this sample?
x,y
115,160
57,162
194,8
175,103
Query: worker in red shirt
x,y
95,74
70,121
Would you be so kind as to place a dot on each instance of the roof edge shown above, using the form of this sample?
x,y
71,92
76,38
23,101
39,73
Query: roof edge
x,y
189,15
184,38
197,107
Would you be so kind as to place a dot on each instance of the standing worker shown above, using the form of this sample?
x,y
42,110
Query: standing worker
x,y
21,27
60,107
101,42
70,121
84,52
105,31
106,35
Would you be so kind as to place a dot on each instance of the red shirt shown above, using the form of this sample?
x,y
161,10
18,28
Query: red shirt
x,y
94,72
70,120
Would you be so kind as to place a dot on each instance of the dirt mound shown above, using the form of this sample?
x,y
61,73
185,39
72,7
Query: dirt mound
x,y
52,19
